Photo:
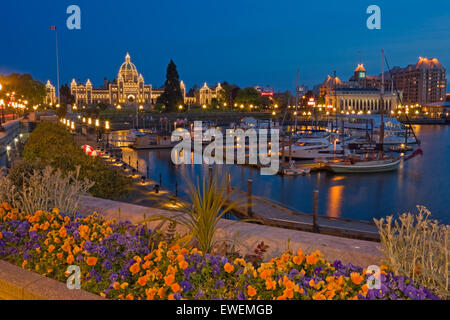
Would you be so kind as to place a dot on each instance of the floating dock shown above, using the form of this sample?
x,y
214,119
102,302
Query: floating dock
x,y
271,213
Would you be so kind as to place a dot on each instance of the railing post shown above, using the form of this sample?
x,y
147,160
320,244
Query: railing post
x,y
315,209
249,197
210,175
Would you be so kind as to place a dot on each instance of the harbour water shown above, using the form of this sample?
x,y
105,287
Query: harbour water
x,y
423,180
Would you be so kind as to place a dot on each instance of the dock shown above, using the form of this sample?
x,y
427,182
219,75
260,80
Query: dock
x,y
274,214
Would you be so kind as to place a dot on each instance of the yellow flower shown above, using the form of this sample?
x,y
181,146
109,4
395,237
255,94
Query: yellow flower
x,y
124,285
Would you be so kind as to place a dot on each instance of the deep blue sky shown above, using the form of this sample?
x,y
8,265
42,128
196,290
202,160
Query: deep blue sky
x,y
247,42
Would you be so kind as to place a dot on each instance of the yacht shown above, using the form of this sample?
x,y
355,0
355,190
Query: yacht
x,y
315,148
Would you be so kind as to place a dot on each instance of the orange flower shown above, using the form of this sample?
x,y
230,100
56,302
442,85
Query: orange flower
x,y
356,278
318,296
151,293
59,255
135,268
1,236
228,267
91,261
312,259
130,297
116,286
298,260
51,248
63,232
288,293
183,265
161,292
143,280
251,291
270,284
169,279
175,287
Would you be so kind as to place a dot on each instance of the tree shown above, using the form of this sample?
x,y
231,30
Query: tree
x,y
66,96
25,87
248,96
172,95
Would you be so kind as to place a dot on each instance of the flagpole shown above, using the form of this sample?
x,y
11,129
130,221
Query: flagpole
x,y
57,66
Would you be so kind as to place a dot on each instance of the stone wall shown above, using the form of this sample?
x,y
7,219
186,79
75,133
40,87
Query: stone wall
x,y
249,235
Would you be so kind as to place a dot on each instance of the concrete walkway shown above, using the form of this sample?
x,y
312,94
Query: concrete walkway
x,y
277,215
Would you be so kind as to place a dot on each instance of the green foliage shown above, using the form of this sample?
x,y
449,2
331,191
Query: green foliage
x,y
417,247
248,96
51,145
172,96
45,190
24,85
209,204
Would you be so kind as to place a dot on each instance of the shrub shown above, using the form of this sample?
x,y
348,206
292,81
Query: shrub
x,y
51,145
44,190
417,247
117,261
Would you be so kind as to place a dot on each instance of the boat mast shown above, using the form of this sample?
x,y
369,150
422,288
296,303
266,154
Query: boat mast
x,y
382,104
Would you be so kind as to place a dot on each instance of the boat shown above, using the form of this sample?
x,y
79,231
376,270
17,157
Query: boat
x,y
315,148
402,148
370,166
134,133
378,162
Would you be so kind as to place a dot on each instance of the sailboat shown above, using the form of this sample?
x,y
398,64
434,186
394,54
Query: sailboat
x,y
367,165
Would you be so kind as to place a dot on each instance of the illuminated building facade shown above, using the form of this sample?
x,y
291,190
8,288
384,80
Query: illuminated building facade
x,y
207,94
50,97
422,83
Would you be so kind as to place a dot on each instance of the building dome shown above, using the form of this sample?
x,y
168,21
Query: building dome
x,y
128,70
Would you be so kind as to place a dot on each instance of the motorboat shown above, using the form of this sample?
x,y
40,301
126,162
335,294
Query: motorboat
x,y
314,148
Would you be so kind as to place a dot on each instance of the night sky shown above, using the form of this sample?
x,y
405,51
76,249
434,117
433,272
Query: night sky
x,y
244,42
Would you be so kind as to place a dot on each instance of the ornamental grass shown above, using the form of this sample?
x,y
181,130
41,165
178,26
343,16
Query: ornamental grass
x,y
125,261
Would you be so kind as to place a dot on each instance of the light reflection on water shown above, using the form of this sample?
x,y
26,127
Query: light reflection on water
x,y
424,180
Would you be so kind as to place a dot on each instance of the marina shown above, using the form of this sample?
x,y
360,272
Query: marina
x,y
354,196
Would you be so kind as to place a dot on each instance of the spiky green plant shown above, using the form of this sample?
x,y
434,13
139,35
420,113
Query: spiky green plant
x,y
210,202
418,247
44,190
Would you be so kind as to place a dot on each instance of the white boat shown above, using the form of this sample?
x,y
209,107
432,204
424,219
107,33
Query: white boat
x,y
134,133
314,148
364,166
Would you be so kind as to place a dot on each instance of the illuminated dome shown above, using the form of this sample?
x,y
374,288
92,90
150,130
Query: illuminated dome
x,y
128,70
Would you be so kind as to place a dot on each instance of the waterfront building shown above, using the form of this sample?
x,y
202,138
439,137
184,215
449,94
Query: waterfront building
x,y
363,100
50,96
207,94
129,88
422,83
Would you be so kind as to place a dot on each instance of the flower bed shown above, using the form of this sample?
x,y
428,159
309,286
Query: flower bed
x,y
126,261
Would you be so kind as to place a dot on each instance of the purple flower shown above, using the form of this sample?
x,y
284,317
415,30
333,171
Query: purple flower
x,y
219,284
241,296
186,285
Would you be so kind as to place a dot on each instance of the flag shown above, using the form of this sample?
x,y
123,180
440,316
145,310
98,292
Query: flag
x,y
52,27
